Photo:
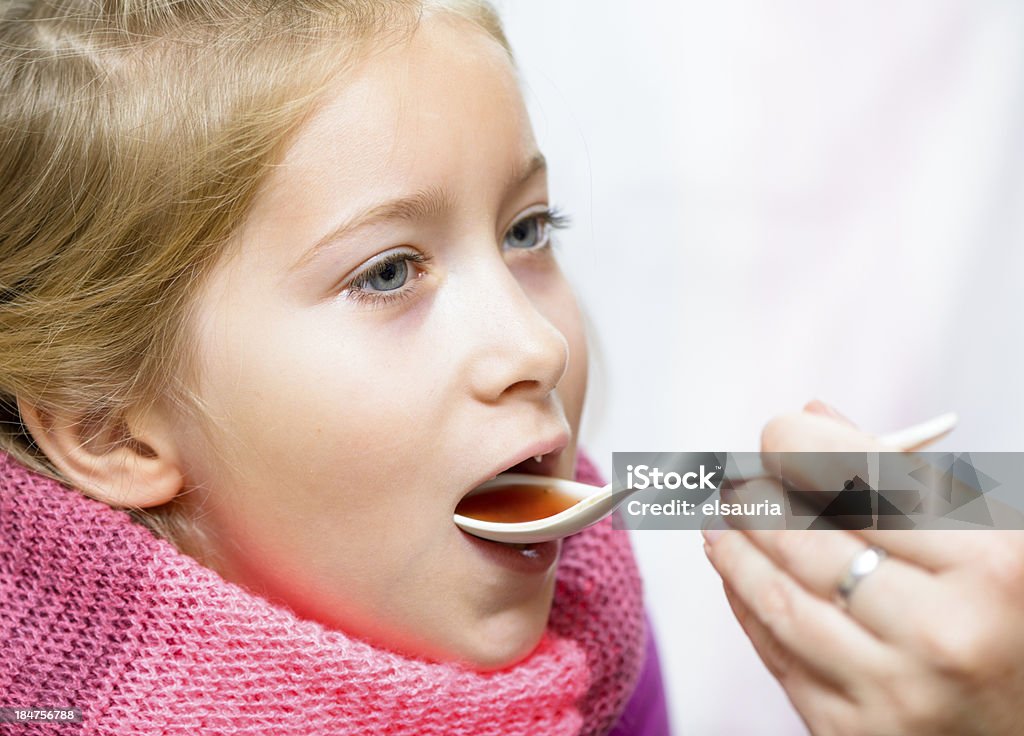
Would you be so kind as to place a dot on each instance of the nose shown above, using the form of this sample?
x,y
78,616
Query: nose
x,y
514,348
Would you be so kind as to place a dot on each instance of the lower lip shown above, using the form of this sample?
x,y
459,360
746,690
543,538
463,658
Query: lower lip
x,y
530,559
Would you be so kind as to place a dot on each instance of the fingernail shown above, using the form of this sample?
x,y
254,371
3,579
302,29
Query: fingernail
x,y
712,535
817,406
713,529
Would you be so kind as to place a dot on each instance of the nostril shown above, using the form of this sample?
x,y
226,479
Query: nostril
x,y
523,354
527,388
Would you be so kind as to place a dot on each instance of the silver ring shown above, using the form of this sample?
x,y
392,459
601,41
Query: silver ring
x,y
863,564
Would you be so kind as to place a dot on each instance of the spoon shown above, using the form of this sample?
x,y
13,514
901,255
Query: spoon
x,y
595,503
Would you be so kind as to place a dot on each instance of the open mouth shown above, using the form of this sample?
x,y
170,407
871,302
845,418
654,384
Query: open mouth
x,y
543,463
524,557
539,459
537,465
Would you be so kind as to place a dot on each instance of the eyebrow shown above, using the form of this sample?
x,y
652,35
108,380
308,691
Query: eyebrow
x,y
428,202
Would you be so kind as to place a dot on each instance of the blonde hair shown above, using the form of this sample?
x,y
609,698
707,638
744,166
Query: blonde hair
x,y
134,136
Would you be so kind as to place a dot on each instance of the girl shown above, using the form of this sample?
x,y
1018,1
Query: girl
x,y
277,278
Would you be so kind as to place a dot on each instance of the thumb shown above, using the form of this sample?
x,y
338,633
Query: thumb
x,y
816,406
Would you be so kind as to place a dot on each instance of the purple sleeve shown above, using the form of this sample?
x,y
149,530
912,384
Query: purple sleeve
x,y
646,713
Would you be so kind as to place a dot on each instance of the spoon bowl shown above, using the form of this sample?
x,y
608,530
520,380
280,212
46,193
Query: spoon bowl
x,y
595,503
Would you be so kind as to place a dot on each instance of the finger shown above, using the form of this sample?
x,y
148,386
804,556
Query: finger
x,y
931,549
824,709
776,658
758,490
816,406
815,453
814,432
887,602
810,452
817,633
907,439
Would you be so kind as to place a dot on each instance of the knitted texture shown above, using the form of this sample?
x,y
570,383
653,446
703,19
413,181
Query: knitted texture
x,y
97,613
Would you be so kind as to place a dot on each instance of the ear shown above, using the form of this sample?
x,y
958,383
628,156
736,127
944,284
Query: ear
x,y
118,461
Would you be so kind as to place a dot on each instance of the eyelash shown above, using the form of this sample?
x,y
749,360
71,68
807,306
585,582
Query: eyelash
x,y
551,219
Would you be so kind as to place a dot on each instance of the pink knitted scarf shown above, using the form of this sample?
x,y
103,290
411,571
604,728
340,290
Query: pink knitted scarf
x,y
97,613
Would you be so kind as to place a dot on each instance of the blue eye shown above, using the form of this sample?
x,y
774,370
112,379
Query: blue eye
x,y
388,276
533,232
526,233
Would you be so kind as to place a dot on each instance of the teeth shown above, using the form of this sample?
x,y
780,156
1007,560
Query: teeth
x,y
537,457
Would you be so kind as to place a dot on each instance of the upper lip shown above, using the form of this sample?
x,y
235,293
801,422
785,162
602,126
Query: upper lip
x,y
549,449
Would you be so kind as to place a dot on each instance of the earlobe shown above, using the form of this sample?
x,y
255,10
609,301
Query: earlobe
x,y
134,464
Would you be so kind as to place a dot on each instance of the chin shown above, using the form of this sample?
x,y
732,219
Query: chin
x,y
495,656
506,638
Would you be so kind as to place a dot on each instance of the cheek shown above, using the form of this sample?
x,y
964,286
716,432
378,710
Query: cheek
x,y
563,311
300,456
304,396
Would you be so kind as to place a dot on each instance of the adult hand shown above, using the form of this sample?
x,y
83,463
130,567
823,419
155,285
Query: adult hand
x,y
931,642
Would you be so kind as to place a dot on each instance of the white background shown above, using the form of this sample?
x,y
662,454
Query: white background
x,y
776,201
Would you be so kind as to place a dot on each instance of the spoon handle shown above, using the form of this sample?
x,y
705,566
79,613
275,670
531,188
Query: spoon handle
x,y
598,503
921,434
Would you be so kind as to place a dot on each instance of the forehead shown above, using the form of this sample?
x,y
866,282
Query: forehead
x,y
422,109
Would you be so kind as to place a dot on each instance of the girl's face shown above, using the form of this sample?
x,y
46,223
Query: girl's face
x,y
391,331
